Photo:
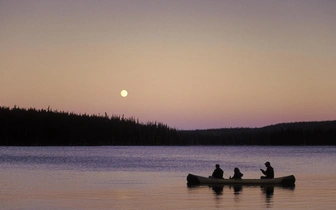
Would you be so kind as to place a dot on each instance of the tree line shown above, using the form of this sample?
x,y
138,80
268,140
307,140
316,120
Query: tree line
x,y
45,127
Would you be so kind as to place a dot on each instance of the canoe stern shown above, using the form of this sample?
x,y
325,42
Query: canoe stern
x,y
288,180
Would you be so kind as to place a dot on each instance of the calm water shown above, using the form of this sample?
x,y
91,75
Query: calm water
x,y
155,177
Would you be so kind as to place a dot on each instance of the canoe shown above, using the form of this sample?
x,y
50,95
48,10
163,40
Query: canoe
x,y
285,180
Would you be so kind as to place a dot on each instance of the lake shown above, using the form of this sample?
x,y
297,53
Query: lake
x,y
136,177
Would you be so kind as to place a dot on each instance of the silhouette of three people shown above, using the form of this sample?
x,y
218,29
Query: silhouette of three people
x,y
269,172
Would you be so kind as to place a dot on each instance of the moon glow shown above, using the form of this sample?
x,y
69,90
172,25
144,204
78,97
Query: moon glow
x,y
124,93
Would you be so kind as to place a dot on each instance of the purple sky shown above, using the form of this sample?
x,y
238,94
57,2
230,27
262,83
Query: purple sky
x,y
189,64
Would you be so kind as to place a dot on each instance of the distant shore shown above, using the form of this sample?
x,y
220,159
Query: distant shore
x,y
31,127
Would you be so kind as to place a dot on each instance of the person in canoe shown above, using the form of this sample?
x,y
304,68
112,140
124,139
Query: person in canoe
x,y
237,174
218,172
269,171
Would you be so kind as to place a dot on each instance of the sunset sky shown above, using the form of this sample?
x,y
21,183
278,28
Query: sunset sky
x,y
189,64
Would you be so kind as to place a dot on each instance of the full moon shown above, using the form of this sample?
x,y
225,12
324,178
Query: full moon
x,y
124,93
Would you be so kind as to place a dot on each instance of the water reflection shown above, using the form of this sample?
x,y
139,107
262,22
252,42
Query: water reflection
x,y
267,191
218,190
237,189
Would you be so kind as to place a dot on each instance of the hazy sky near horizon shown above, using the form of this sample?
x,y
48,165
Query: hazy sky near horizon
x,y
188,64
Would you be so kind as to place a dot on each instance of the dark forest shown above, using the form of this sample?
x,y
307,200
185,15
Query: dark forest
x,y
31,127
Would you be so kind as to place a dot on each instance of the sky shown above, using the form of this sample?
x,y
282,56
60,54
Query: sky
x,y
190,64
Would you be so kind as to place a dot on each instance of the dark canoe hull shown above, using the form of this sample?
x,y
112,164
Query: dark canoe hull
x,y
286,180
